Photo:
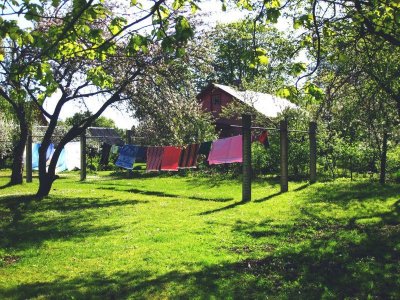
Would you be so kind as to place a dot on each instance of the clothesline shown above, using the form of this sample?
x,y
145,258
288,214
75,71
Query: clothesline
x,y
172,158
268,128
256,127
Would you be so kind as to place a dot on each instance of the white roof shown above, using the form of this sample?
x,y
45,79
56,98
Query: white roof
x,y
268,105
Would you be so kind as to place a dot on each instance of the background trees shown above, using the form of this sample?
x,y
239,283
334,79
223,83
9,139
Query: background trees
x,y
78,51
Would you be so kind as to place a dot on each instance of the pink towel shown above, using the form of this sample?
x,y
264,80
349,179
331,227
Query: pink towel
x,y
228,150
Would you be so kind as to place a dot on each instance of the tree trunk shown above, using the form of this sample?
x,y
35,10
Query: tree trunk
x,y
46,175
383,159
18,153
45,184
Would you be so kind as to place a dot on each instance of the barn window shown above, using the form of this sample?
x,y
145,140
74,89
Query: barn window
x,y
216,99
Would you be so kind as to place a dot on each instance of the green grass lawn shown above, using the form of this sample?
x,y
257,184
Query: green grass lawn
x,y
189,237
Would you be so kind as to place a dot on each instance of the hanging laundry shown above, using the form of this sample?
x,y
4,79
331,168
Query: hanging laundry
x,y
205,148
154,156
263,138
170,158
227,150
73,155
105,154
35,155
188,156
127,155
61,162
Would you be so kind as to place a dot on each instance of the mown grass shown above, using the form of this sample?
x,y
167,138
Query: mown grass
x,y
189,237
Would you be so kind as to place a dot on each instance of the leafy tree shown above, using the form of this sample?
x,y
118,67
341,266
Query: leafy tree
x,y
166,104
247,52
83,49
99,122
361,106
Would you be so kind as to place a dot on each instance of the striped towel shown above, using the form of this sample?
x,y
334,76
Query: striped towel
x,y
188,157
154,155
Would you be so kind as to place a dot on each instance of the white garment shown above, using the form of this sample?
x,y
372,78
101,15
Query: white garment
x,y
73,155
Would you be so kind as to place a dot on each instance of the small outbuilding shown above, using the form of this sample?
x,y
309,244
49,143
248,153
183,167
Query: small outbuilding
x,y
215,97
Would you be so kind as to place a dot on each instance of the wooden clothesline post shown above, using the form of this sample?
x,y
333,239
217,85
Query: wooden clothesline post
x,y
313,151
246,152
28,158
128,137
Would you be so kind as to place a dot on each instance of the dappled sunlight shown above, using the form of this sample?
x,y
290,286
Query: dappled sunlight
x,y
169,237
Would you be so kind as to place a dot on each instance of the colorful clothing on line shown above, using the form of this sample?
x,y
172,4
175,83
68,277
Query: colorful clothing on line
x,y
73,155
154,156
127,155
62,161
35,155
189,155
170,158
227,150
263,138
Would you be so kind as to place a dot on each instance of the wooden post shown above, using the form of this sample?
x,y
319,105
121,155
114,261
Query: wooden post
x,y
382,176
128,136
83,156
284,155
246,152
28,158
313,151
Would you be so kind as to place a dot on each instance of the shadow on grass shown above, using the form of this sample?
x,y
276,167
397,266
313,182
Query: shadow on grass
x,y
7,185
302,187
163,194
344,192
211,181
230,206
267,197
332,265
27,222
322,257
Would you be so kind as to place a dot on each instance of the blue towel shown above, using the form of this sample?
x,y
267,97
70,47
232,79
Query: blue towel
x,y
127,156
61,162
35,155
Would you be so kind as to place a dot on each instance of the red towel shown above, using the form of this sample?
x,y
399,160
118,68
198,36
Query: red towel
x,y
154,155
263,138
188,157
170,158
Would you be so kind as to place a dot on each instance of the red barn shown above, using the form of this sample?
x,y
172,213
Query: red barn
x,y
215,96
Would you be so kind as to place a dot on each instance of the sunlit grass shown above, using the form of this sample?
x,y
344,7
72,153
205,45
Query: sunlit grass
x,y
171,236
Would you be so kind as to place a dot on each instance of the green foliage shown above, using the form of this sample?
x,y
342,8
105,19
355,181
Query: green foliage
x,y
101,121
259,159
245,51
393,162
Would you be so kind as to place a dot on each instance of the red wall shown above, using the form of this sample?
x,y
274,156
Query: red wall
x,y
222,124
